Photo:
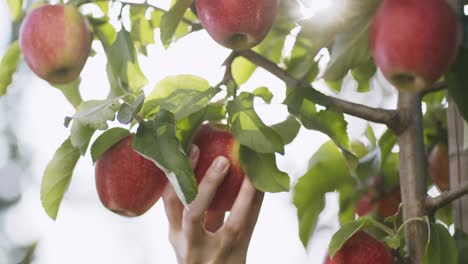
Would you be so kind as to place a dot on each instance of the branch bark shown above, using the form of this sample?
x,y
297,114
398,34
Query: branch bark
x,y
445,198
412,174
377,115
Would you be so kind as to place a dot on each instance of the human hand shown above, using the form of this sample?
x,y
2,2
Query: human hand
x,y
199,236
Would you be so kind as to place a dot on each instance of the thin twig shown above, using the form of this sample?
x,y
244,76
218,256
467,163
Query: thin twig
x,y
433,203
435,88
377,115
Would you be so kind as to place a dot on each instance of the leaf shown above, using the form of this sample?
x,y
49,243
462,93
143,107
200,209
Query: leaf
x,y
122,57
441,247
461,240
71,91
328,172
95,113
16,9
171,20
57,177
242,69
345,233
288,129
249,130
156,140
264,93
128,111
9,65
106,140
363,74
80,136
181,94
369,165
262,170
456,81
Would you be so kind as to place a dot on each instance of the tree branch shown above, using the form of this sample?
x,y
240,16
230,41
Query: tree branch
x,y
377,115
434,203
435,88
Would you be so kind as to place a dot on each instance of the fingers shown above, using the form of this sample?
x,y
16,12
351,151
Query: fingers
x,y
214,220
172,204
245,210
194,213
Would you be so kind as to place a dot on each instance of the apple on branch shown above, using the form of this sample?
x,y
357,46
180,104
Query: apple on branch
x,y
127,183
55,41
413,42
237,24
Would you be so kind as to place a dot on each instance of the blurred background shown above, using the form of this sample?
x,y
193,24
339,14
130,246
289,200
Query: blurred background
x,y
31,129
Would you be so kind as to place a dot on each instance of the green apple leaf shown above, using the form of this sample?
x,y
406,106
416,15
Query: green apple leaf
x,y
156,140
264,93
347,202
106,140
95,113
249,130
171,20
369,165
387,141
180,94
301,63
127,111
328,172
242,69
8,66
363,74
262,170
71,91
457,79
16,9
441,247
122,56
288,129
461,240
345,233
80,135
57,177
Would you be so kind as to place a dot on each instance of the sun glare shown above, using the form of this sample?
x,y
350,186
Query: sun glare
x,y
310,8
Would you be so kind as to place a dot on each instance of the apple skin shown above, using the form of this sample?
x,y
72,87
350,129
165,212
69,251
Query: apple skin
x,y
215,140
385,204
127,183
362,248
237,24
55,41
413,42
439,166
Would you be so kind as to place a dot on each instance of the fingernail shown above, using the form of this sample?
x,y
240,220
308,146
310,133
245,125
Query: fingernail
x,y
220,163
194,151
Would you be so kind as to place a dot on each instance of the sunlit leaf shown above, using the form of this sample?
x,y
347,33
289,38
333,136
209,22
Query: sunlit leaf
x,y
8,66
106,140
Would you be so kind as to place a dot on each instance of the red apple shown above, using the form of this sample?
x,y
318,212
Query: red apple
x,y
217,140
362,248
237,24
55,41
439,166
413,42
127,183
384,204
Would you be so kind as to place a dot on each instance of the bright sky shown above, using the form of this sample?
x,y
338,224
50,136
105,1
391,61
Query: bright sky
x,y
85,232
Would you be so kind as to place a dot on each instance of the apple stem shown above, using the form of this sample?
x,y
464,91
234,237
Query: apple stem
x,y
412,174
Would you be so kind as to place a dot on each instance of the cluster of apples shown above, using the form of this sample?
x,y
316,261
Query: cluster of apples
x,y
129,184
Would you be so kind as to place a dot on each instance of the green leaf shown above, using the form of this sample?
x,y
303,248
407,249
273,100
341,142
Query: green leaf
x,y
57,177
122,57
346,232
328,172
242,69
347,202
80,135
107,140
288,129
9,65
95,113
171,20
386,143
182,95
264,93
457,79
156,140
441,247
461,240
262,170
249,130
369,165
16,9
128,111
363,74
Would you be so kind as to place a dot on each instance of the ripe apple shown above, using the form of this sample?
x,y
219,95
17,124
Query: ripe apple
x,y
217,140
439,166
55,41
237,24
384,204
413,42
362,248
127,183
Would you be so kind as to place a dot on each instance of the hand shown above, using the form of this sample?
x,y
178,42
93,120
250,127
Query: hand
x,y
199,236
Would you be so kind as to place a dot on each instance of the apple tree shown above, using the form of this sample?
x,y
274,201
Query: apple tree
x,y
383,179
